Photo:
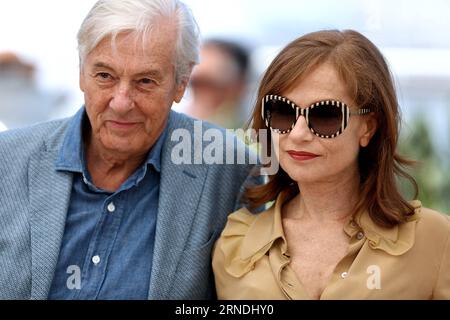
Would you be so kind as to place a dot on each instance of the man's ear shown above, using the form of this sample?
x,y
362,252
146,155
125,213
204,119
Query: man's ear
x,y
368,129
181,88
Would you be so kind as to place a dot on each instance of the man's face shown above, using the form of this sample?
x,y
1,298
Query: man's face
x,y
129,90
216,80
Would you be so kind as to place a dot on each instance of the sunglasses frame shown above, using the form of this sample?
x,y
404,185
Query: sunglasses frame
x,y
346,113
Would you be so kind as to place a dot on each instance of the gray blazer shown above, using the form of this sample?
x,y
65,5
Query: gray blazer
x,y
194,203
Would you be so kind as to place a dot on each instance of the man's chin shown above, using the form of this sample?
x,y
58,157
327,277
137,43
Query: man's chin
x,y
121,145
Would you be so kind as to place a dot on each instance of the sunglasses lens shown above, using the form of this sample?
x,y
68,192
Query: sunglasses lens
x,y
325,119
282,115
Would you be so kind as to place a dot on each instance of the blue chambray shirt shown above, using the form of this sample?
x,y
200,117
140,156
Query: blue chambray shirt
x,y
107,247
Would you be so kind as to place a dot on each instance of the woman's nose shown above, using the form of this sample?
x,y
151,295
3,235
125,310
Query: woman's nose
x,y
301,130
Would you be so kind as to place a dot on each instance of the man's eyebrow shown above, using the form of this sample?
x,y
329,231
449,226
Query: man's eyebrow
x,y
102,65
150,72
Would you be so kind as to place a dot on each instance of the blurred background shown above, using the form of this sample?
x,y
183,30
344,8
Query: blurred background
x,y
39,64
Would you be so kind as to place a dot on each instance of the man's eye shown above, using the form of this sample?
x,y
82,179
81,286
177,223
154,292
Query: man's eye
x,y
103,76
146,81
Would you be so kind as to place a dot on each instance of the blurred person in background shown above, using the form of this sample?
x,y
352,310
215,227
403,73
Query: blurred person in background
x,y
339,228
96,206
219,84
22,102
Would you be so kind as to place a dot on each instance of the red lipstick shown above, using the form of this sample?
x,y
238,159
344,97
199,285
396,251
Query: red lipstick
x,y
302,155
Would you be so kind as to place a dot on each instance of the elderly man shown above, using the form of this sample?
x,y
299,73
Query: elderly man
x,y
93,207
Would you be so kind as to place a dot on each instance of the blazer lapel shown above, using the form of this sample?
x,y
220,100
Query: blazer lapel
x,y
180,191
49,192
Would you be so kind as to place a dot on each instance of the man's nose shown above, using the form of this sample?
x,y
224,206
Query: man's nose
x,y
122,100
301,131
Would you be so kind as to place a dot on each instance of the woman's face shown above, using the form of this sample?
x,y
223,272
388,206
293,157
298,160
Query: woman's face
x,y
307,158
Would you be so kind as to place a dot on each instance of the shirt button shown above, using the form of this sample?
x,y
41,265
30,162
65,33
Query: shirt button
x,y
96,260
344,275
111,207
360,235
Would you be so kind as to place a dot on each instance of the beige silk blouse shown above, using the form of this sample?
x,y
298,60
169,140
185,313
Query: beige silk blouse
x,y
409,261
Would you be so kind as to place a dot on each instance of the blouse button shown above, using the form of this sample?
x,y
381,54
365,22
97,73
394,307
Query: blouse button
x,y
344,275
360,235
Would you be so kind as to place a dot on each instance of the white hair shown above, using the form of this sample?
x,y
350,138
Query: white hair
x,y
112,17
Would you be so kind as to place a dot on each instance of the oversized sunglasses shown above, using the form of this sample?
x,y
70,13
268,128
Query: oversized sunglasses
x,y
325,119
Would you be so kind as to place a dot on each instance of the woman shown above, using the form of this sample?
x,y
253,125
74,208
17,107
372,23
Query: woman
x,y
339,228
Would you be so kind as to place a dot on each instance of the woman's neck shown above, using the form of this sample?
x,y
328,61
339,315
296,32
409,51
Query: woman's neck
x,y
326,201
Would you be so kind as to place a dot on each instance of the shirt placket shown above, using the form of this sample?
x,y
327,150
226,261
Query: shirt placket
x,y
343,268
100,246
285,276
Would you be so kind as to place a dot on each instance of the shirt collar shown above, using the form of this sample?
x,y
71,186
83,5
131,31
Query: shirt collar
x,y
265,230
268,227
71,155
396,240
